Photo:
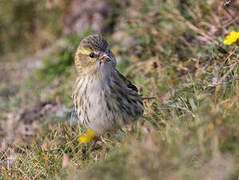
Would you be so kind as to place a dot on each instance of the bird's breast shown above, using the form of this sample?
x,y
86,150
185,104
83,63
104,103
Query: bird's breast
x,y
102,104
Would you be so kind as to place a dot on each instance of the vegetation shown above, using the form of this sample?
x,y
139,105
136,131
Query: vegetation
x,y
172,50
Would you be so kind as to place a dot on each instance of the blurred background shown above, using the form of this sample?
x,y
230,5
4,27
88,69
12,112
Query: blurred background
x,y
171,49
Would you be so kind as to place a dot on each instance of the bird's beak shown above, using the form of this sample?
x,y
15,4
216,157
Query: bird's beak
x,y
104,58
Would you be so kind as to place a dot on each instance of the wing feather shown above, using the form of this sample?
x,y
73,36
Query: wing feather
x,y
127,82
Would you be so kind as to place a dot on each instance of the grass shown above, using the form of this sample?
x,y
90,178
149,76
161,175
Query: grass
x,y
190,129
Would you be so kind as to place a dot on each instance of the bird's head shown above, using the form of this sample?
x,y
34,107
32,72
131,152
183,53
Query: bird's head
x,y
94,55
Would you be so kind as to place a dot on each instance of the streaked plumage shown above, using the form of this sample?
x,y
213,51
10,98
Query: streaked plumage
x,y
103,98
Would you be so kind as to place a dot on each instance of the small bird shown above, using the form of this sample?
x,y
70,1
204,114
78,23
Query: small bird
x,y
103,98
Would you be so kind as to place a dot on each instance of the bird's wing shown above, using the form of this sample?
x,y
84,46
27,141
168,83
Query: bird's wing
x,y
127,82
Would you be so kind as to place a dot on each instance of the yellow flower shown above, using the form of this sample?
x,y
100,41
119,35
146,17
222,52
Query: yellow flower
x,y
88,137
232,38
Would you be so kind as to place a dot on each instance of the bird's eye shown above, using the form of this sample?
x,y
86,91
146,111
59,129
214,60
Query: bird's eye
x,y
92,55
